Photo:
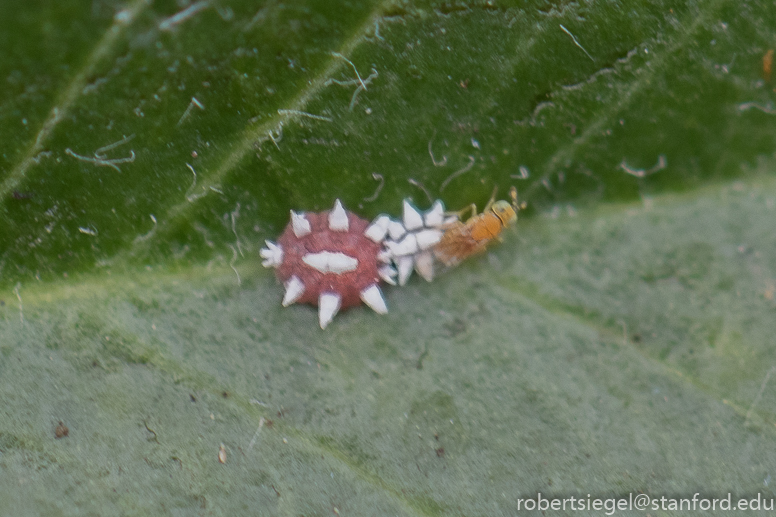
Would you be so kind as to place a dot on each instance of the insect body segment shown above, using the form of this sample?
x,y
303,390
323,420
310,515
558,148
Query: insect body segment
x,y
335,259
464,239
410,240
331,259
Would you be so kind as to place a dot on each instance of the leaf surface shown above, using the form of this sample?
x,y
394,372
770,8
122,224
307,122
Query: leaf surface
x,y
619,341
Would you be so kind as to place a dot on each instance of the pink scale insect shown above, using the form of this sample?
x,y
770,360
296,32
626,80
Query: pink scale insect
x,y
332,259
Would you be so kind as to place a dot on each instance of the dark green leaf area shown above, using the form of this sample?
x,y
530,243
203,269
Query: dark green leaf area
x,y
168,134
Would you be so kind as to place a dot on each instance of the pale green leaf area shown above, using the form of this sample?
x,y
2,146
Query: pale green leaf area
x,y
619,340
618,350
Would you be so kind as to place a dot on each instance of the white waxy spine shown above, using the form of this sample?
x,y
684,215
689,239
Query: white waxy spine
x,y
427,238
328,262
378,228
388,274
396,230
404,264
412,218
373,297
407,246
436,215
294,290
409,243
319,261
340,263
385,256
300,224
272,255
328,306
424,265
338,218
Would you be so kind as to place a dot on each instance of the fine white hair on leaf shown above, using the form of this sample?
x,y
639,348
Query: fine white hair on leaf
x,y
328,306
378,177
275,135
574,39
764,108
422,187
304,114
411,217
300,224
338,218
358,76
102,161
100,153
294,290
424,265
189,196
194,103
373,297
457,173
436,163
378,228
329,262
272,254
168,23
235,214
524,173
640,173
362,83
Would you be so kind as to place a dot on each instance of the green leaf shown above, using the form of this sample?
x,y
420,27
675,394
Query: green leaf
x,y
619,341
232,112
